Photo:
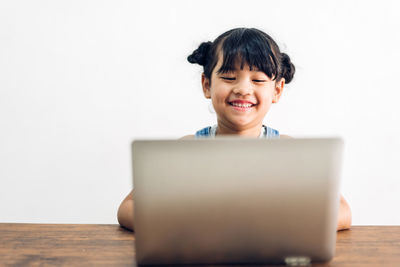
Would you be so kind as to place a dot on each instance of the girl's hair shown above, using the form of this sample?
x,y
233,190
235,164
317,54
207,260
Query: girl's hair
x,y
246,46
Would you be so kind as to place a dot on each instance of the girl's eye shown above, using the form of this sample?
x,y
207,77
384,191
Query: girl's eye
x,y
259,81
228,78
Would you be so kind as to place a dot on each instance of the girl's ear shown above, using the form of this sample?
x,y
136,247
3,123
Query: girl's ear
x,y
278,90
205,82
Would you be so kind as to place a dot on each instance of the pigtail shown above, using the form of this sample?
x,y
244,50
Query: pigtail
x,y
200,55
288,69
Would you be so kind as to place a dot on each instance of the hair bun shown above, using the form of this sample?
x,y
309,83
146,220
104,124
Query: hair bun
x,y
200,55
288,69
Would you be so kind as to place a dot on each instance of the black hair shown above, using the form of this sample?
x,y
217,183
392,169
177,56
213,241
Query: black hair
x,y
247,46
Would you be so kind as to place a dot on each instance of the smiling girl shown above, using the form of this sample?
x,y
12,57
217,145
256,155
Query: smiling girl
x,y
244,74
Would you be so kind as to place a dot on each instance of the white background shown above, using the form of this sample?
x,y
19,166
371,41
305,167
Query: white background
x,y
79,80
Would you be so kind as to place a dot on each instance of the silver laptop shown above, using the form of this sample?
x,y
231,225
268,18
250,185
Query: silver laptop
x,y
236,200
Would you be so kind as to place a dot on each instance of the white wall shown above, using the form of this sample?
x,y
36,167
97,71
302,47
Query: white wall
x,y
80,79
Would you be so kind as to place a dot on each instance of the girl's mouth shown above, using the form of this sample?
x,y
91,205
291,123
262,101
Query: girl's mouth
x,y
241,106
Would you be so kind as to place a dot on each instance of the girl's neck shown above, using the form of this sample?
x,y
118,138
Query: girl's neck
x,y
250,132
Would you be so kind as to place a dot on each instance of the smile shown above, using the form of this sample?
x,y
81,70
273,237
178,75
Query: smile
x,y
241,106
244,105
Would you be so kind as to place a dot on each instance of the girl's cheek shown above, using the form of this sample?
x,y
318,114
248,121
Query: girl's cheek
x,y
222,96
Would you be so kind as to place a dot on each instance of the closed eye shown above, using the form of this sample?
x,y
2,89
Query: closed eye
x,y
259,81
228,78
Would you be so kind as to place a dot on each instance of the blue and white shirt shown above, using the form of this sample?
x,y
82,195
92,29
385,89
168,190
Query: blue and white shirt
x,y
209,132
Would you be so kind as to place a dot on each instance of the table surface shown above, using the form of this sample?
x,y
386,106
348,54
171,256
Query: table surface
x,y
111,245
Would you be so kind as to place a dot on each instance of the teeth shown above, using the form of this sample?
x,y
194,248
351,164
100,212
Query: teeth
x,y
241,105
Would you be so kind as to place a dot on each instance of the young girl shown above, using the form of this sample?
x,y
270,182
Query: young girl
x,y
244,74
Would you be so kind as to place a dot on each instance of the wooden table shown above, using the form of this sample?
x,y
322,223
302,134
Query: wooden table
x,y
88,245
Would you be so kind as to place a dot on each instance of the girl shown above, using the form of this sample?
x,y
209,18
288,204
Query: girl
x,y
244,74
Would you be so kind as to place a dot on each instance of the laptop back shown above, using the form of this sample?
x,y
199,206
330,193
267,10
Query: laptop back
x,y
236,200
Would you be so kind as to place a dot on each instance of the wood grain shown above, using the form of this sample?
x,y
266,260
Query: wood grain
x,y
368,246
65,245
88,245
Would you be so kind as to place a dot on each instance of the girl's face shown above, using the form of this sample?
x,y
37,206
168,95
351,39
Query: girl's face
x,y
241,98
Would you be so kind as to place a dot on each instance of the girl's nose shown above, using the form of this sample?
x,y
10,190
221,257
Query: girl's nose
x,y
243,88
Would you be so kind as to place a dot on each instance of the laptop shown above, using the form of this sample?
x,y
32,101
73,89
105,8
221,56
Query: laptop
x,y
236,200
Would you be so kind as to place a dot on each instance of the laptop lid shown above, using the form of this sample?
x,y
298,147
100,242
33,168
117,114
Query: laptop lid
x,y
236,200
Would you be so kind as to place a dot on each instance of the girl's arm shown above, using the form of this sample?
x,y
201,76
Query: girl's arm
x,y
344,219
125,212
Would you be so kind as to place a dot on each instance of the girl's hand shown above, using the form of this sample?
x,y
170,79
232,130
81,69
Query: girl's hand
x,y
344,218
125,212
